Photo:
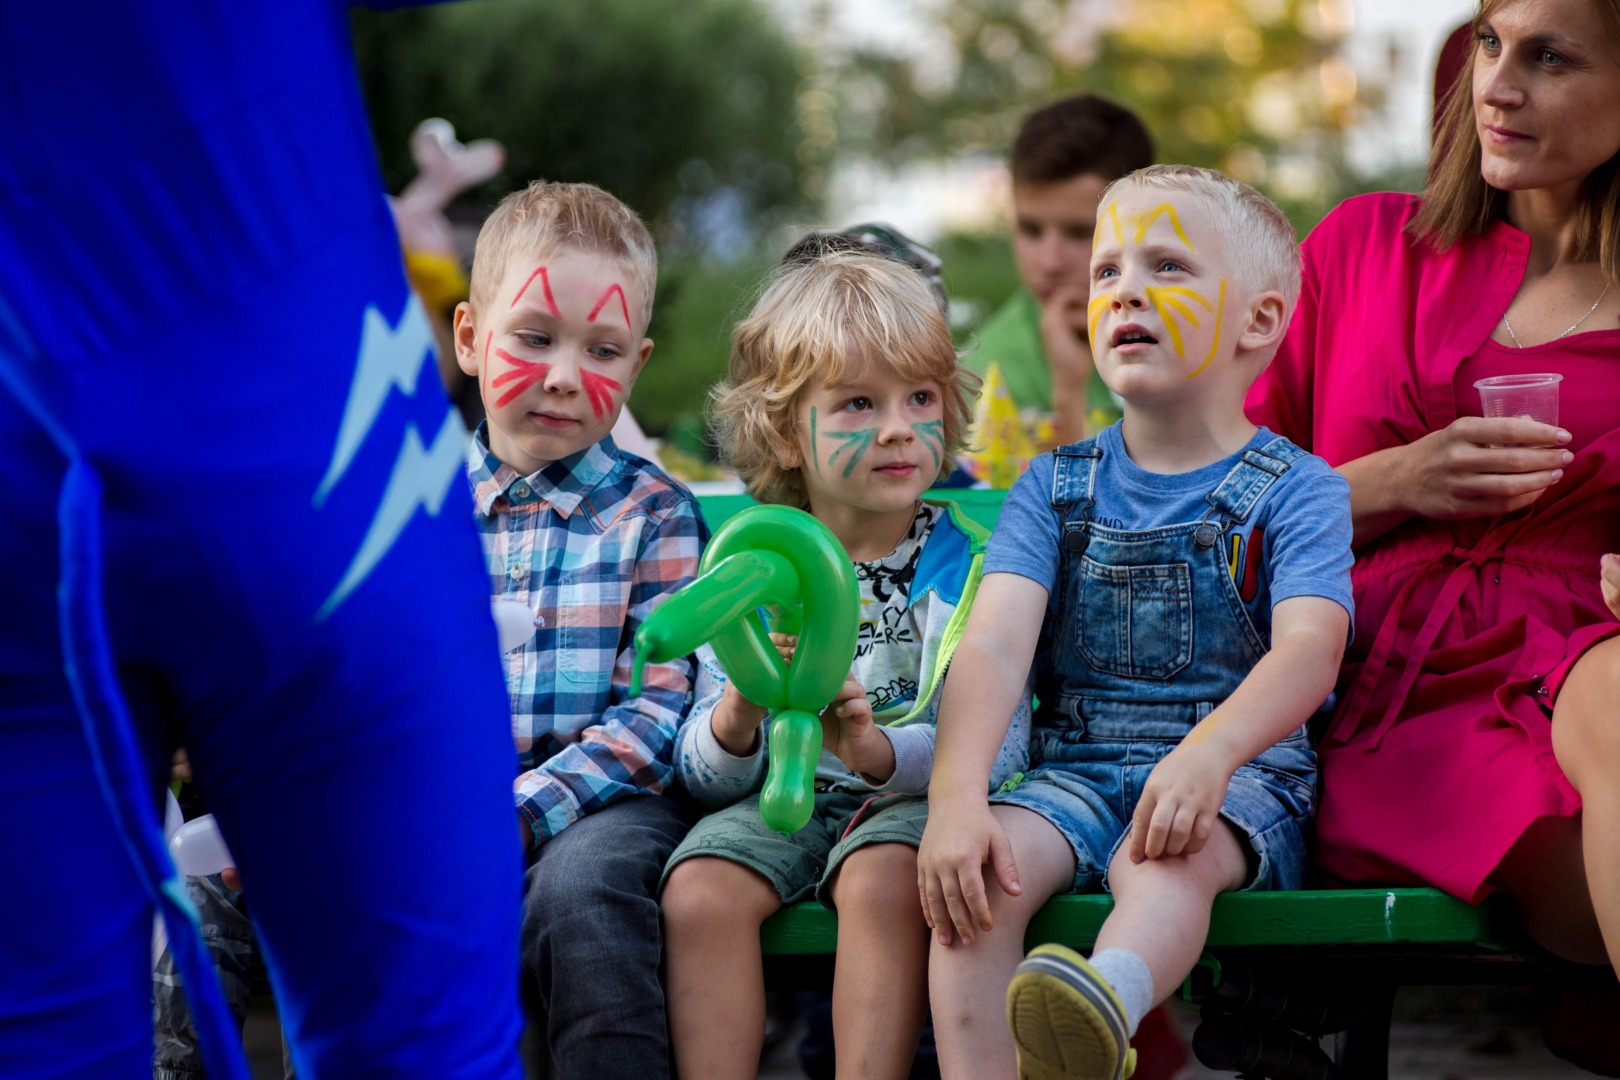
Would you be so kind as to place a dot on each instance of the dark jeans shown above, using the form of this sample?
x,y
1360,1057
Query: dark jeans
x,y
592,940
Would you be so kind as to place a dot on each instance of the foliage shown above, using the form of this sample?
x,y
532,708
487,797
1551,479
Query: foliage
x,y
1256,88
686,111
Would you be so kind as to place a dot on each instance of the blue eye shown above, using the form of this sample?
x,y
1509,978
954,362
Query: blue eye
x,y
605,352
1170,266
1489,41
1107,271
1550,58
538,341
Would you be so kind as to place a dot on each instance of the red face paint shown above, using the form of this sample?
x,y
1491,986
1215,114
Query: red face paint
x,y
489,337
524,374
599,388
545,283
597,310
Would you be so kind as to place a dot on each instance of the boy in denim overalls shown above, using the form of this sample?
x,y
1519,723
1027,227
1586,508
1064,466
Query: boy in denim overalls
x,y
1182,585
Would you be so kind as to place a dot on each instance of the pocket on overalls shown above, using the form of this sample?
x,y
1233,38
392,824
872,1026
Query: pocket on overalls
x,y
1135,621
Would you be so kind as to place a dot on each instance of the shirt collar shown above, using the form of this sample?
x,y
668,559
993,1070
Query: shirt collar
x,y
563,484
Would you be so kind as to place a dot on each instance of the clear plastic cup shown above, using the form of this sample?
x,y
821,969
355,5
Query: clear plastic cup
x,y
1530,397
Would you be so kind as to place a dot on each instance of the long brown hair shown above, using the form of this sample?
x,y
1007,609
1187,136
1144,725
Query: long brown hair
x,y
1457,202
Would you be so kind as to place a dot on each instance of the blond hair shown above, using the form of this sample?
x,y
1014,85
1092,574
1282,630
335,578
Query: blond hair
x,y
1458,203
1260,244
821,320
548,217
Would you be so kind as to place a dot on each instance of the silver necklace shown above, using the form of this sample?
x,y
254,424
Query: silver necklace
x,y
1572,325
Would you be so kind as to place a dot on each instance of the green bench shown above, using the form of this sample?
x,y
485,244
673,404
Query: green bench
x,y
1318,961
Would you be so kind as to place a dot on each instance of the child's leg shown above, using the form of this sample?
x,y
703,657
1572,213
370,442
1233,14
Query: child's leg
x,y
968,983
1071,1018
591,939
1161,906
880,983
713,909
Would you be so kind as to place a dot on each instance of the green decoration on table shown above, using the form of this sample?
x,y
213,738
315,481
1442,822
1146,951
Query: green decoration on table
x,y
786,561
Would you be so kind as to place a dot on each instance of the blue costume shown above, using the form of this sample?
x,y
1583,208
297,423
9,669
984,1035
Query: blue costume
x,y
232,519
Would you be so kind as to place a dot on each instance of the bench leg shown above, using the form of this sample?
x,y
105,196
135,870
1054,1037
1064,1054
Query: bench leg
x,y
1362,1052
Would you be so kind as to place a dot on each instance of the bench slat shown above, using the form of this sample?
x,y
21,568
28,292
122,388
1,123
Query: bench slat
x,y
1311,918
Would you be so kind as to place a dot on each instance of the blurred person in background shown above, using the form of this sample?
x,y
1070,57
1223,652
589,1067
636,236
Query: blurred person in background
x,y
1064,155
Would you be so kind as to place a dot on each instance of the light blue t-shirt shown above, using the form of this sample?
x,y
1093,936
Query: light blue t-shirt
x,y
1296,541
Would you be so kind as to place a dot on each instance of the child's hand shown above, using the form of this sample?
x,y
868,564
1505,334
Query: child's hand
x,y
957,842
1180,803
180,767
735,719
848,731
1611,583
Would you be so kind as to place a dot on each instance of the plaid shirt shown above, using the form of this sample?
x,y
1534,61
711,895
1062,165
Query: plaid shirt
x,y
591,543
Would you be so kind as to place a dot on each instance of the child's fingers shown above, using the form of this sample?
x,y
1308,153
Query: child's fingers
x,y
1158,832
1139,827
1001,860
971,908
1201,832
1181,831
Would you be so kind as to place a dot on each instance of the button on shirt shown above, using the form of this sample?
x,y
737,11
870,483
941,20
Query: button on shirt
x,y
590,543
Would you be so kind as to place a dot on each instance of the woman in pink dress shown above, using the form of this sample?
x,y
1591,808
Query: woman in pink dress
x,y
1476,744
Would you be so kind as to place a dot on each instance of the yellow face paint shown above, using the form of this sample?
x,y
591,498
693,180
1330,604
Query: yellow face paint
x,y
1220,307
1170,301
1094,311
1113,215
1145,220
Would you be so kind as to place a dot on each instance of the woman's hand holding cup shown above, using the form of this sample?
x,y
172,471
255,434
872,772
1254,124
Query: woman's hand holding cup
x,y
1478,467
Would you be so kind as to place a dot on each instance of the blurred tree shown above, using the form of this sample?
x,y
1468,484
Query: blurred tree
x,y
1257,88
685,111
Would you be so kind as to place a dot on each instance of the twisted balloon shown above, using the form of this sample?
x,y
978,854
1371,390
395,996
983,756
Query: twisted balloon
x,y
784,560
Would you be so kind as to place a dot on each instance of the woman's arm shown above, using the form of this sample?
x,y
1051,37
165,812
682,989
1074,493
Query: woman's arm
x,y
1476,467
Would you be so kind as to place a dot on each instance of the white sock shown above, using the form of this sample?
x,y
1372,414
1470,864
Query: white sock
x,y
1128,974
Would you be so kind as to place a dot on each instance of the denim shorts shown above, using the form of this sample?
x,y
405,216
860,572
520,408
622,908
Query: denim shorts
x,y
803,864
1087,783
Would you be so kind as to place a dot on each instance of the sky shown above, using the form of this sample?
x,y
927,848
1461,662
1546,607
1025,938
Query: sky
x,y
1396,41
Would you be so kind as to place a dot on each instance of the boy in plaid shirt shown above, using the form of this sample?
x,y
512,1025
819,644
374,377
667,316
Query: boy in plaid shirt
x,y
590,538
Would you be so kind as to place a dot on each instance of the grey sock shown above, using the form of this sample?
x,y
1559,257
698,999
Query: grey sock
x,y
1129,976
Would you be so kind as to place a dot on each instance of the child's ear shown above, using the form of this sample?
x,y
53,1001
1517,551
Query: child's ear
x,y
465,333
1268,322
641,360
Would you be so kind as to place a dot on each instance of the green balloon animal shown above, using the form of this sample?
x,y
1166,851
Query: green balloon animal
x,y
786,561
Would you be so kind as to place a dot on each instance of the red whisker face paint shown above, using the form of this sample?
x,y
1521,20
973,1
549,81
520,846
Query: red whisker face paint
x,y
545,283
524,374
600,304
489,337
599,388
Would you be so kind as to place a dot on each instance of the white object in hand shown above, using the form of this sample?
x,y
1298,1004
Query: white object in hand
x,y
514,623
198,848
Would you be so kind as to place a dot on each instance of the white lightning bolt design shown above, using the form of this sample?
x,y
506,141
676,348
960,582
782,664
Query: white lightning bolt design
x,y
422,477
389,356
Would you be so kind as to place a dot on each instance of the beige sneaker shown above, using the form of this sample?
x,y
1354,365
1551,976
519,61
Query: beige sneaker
x,y
1066,1020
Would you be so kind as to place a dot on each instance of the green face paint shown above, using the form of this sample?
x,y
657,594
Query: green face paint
x,y
932,434
815,454
854,443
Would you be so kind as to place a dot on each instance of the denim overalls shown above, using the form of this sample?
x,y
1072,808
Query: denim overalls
x,y
1147,635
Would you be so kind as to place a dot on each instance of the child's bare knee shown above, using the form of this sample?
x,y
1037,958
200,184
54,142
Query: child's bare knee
x,y
881,879
705,894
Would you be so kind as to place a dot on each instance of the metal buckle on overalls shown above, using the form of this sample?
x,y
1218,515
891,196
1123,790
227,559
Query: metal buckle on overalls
x,y
1206,536
1077,539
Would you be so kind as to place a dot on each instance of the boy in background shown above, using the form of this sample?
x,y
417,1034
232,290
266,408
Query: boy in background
x,y
1065,154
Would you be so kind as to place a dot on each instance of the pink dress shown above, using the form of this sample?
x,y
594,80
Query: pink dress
x,y
1440,753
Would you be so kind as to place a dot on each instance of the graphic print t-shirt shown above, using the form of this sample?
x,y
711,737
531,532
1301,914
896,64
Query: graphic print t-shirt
x,y
889,647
